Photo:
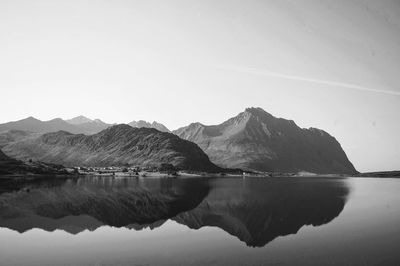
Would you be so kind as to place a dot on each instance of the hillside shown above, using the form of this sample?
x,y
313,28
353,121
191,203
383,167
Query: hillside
x,y
117,145
10,166
256,140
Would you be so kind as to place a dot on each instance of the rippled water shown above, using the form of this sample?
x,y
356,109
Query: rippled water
x,y
201,221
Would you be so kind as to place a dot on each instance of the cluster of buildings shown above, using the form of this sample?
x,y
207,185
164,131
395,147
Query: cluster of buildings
x,y
107,171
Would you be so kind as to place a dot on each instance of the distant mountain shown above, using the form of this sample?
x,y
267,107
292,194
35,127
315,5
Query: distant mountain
x,y
32,124
117,145
155,125
92,126
79,120
256,140
76,125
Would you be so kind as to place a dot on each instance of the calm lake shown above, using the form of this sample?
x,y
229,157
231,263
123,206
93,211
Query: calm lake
x,y
201,221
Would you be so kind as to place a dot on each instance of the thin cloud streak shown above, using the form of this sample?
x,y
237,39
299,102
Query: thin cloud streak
x,y
263,72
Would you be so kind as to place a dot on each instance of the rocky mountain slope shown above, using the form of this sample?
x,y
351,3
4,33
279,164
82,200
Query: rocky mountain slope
x,y
13,135
256,140
117,145
156,125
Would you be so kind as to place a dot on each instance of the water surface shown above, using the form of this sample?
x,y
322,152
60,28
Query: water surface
x,y
201,221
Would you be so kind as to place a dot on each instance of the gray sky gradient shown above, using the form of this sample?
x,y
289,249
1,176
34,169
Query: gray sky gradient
x,y
329,83
329,64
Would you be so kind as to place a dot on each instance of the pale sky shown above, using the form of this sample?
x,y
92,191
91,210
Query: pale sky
x,y
329,64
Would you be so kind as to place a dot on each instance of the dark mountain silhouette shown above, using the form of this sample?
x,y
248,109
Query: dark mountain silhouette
x,y
156,125
256,140
117,145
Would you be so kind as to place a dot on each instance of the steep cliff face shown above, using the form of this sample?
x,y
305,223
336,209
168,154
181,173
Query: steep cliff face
x,y
117,145
256,140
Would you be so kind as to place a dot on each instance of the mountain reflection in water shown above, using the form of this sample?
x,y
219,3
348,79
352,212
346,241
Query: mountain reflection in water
x,y
255,210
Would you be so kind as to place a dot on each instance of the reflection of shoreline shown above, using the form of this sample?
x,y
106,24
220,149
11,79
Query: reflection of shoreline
x,y
255,210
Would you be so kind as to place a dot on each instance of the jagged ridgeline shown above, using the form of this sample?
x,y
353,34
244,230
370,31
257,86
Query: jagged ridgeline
x,y
256,140
76,125
116,145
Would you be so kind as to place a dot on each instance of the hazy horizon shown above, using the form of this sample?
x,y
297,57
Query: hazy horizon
x,y
333,65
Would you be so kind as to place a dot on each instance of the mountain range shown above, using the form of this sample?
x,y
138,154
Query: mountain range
x,y
253,140
115,146
156,125
35,125
256,140
76,125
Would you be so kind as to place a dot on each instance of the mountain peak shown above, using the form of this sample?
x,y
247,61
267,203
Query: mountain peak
x,y
56,120
257,111
30,118
155,124
78,120
254,109
256,140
